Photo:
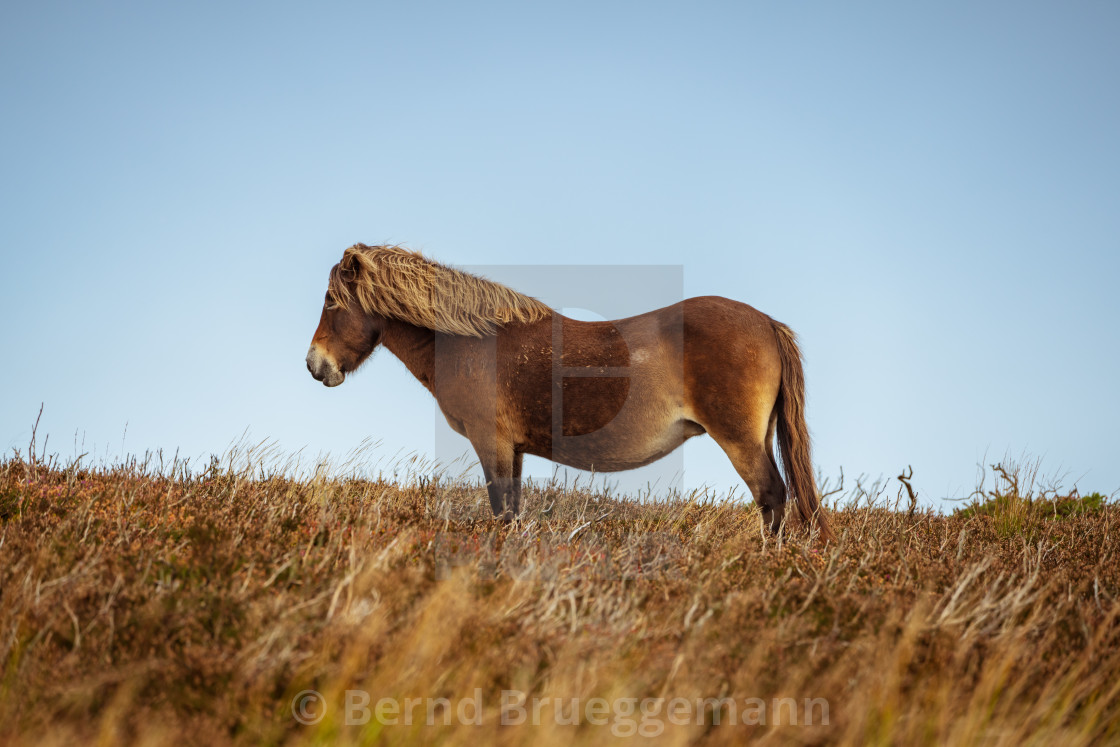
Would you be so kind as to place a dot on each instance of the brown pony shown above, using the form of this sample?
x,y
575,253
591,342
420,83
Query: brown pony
x,y
514,377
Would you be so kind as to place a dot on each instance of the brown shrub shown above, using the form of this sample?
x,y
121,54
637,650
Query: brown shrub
x,y
141,604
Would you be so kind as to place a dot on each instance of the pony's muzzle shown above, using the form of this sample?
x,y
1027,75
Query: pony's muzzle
x,y
323,369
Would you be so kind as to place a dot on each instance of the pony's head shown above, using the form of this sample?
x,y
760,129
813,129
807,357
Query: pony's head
x,y
375,284
347,334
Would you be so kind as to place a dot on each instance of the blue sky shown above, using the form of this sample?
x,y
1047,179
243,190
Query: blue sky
x,y
929,196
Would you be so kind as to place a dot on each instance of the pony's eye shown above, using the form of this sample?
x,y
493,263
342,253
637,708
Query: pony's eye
x,y
331,306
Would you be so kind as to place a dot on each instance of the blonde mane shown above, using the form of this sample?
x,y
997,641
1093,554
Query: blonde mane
x,y
402,284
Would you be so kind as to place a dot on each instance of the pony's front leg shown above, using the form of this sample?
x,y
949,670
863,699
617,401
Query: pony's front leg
x,y
503,478
518,457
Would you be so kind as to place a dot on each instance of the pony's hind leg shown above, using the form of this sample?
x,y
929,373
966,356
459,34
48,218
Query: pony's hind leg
x,y
760,473
754,461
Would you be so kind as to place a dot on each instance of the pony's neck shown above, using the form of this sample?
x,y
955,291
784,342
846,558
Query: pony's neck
x,y
415,346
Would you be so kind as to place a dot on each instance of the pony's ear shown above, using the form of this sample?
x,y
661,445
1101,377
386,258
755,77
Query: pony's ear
x,y
348,267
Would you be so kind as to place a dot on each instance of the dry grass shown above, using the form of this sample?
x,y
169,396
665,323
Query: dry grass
x,y
141,603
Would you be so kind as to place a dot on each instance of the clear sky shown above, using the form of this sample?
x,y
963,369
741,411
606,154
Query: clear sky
x,y
929,196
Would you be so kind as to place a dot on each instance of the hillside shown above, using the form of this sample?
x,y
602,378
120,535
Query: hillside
x,y
141,604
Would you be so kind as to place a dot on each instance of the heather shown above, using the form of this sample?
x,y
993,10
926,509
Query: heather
x,y
150,602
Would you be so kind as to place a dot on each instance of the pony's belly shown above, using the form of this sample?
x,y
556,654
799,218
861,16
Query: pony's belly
x,y
615,450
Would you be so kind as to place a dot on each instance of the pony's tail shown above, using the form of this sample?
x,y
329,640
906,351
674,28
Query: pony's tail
x,y
793,434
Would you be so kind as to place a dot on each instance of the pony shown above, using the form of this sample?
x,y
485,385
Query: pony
x,y
516,377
